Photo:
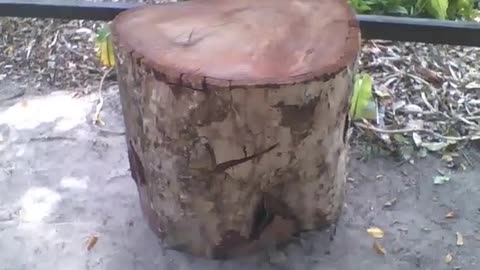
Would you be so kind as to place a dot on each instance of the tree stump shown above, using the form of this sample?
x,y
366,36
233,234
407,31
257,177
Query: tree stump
x,y
236,115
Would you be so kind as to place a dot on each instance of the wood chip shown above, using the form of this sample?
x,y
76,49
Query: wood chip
x,y
91,242
448,258
459,239
450,214
379,248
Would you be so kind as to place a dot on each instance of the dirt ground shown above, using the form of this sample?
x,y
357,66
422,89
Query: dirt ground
x,y
64,181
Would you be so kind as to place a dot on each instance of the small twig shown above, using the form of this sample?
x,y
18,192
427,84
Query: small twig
x,y
421,80
391,79
411,130
474,117
467,110
52,138
105,131
422,94
68,46
54,41
29,48
394,68
96,117
467,158
477,111
427,103
466,121
431,108
14,96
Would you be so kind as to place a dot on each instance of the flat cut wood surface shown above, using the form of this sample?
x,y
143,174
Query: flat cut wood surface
x,y
241,42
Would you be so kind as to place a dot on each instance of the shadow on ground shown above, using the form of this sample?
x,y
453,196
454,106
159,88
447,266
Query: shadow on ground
x,y
63,181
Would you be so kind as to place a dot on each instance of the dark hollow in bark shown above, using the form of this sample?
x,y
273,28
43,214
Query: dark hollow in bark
x,y
236,115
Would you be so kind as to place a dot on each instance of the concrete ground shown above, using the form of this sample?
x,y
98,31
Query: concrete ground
x,y
64,182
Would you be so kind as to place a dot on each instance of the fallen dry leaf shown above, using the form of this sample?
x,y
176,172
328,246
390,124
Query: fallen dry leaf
x,y
447,157
450,214
91,241
448,258
378,248
459,239
375,232
429,75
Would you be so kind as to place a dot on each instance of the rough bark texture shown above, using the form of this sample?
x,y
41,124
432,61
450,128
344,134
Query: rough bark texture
x,y
228,159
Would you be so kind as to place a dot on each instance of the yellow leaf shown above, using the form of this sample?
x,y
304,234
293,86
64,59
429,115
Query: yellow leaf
x,y
459,239
378,248
448,258
375,232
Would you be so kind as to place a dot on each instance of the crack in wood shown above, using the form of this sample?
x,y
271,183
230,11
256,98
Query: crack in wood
x,y
263,217
136,166
346,126
211,153
234,162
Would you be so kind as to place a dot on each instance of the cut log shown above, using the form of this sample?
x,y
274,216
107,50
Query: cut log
x,y
236,113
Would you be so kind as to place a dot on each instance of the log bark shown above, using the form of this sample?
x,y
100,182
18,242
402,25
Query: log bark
x,y
236,115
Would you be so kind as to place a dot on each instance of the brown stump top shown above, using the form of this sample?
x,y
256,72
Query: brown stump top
x,y
241,42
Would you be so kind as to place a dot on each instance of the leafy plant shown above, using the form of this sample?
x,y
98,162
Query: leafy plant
x,y
385,7
361,6
438,9
104,47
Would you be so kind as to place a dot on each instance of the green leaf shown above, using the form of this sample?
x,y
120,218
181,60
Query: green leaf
x,y
437,8
421,5
360,6
398,10
363,105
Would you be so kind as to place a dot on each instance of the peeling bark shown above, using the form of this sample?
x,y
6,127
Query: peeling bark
x,y
228,165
